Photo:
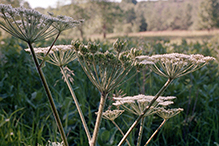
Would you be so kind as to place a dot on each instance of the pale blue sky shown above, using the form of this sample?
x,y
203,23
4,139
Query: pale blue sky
x,y
47,3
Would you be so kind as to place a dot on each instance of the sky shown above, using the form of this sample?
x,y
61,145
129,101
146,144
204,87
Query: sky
x,y
47,3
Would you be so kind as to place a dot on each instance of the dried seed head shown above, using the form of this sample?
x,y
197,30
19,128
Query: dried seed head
x,y
92,47
83,49
119,45
135,52
76,45
105,69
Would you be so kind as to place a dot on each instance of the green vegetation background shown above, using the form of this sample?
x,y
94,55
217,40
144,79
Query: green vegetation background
x,y
25,115
26,118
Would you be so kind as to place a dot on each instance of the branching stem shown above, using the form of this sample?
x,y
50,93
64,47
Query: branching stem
x,y
49,95
155,132
145,110
99,118
140,132
120,131
49,49
77,104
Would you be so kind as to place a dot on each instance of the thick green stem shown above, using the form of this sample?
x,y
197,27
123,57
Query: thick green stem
x,y
99,118
77,104
155,132
49,95
121,132
140,132
145,110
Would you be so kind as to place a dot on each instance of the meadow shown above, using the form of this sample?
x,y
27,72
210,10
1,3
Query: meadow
x,y
26,118
174,36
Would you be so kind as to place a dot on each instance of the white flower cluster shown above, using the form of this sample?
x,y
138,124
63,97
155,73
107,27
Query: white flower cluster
x,y
167,113
137,104
175,64
64,22
30,25
112,114
59,55
55,144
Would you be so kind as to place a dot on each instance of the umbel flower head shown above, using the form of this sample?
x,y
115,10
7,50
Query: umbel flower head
x,y
62,23
167,113
175,65
137,104
106,70
59,55
29,25
55,144
112,114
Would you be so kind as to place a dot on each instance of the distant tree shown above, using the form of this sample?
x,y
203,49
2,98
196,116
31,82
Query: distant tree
x,y
26,5
80,13
156,16
188,16
143,25
78,1
130,1
130,15
182,18
107,12
209,14
176,23
13,3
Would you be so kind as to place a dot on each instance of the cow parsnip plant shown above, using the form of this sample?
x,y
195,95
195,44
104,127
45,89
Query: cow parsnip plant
x,y
106,69
31,26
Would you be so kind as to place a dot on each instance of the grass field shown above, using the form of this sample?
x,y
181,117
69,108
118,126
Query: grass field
x,y
174,36
26,118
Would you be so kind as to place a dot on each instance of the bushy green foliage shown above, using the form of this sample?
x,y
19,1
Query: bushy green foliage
x,y
26,119
208,13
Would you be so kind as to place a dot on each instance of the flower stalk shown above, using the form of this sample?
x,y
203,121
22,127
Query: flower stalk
x,y
53,43
49,95
105,69
98,119
140,132
76,103
155,132
112,115
31,26
120,130
165,114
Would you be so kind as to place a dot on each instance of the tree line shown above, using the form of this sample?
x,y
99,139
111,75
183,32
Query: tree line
x,y
105,16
